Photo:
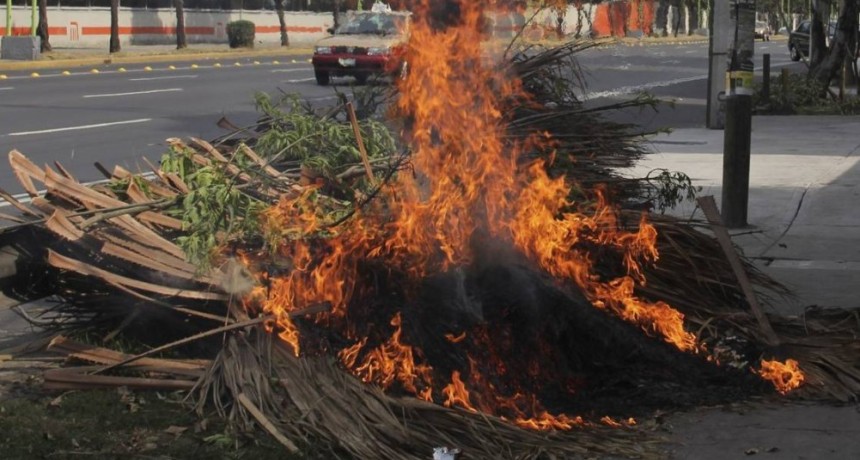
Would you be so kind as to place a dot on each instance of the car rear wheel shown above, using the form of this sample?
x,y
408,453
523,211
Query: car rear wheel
x,y
795,54
322,77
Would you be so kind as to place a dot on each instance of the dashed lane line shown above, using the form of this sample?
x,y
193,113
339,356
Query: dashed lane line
x,y
133,93
80,127
305,69
168,77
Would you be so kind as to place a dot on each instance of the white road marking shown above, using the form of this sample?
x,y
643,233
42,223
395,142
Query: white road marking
x,y
624,90
80,127
163,78
305,69
134,93
300,80
6,88
26,198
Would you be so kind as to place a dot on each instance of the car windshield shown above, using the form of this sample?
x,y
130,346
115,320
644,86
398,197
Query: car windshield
x,y
372,23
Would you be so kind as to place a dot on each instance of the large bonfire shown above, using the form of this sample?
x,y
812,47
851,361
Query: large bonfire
x,y
493,299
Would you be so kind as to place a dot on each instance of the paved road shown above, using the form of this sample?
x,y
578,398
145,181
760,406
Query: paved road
x,y
116,117
676,73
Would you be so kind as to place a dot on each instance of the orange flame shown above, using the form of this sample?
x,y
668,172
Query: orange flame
x,y
785,376
389,363
468,178
456,393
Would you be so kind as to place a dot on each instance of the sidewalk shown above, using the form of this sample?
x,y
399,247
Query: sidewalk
x,y
804,190
804,232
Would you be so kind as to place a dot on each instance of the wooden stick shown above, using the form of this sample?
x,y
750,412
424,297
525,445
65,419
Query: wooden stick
x,y
317,308
265,422
709,206
106,213
354,122
75,379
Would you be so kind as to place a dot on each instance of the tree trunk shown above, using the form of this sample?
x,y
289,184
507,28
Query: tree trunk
x,y
661,20
676,19
560,13
179,5
336,13
42,29
279,7
114,26
843,48
693,16
817,35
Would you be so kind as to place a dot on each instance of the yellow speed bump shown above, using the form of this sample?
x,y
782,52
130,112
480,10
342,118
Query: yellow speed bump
x,y
147,69
217,64
94,71
121,69
256,62
194,66
171,67
66,72
293,61
35,74
237,64
275,62
3,76
310,60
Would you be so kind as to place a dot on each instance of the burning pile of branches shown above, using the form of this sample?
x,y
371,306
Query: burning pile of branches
x,y
467,283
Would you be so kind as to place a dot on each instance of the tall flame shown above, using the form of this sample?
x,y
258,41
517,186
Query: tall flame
x,y
468,178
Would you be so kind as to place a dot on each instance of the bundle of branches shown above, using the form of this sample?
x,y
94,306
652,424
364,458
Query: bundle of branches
x,y
120,272
170,259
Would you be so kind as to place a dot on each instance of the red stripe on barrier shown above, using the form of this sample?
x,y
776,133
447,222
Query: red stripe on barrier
x,y
144,30
296,29
24,31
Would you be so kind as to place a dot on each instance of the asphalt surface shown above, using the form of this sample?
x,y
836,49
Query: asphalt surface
x,y
676,74
118,117
125,111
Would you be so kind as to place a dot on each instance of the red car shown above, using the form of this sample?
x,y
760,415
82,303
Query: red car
x,y
367,43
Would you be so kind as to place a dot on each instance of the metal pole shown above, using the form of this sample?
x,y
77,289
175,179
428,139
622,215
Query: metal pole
x,y
33,20
736,160
738,132
765,84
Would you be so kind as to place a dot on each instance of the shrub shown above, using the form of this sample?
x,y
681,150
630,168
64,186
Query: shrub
x,y
241,33
802,95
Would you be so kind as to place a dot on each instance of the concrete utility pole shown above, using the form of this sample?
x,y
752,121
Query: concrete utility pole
x,y
738,130
8,18
721,34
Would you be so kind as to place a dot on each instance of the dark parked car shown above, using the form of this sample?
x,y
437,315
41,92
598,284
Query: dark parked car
x,y
798,41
